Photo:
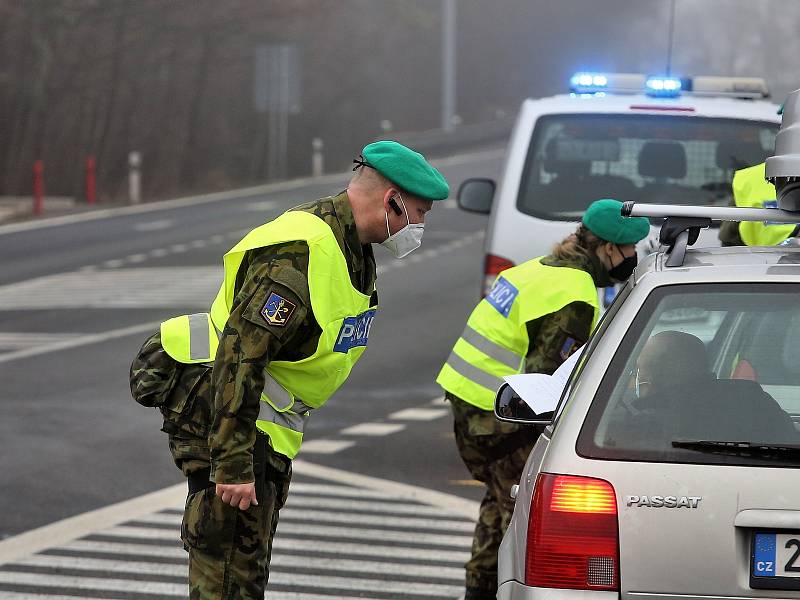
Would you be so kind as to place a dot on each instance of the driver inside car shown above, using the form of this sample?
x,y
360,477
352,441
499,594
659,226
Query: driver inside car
x,y
678,397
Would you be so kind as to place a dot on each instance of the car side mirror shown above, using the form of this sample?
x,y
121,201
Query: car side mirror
x,y
508,406
475,195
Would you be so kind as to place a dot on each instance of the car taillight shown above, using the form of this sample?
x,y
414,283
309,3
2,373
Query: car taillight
x,y
492,267
573,536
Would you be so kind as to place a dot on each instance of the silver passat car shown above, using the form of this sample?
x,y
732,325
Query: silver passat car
x,y
671,466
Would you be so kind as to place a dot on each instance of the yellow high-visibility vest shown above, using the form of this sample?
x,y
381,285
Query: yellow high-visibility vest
x,y
292,388
752,190
495,341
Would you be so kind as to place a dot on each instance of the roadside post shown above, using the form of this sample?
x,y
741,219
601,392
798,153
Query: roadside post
x,y
38,187
91,180
317,159
134,178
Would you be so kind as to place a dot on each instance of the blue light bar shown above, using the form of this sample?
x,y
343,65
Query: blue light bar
x,y
584,83
663,87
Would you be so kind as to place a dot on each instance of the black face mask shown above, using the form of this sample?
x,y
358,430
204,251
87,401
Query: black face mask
x,y
624,269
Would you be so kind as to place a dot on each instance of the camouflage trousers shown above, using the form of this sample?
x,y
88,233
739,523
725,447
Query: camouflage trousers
x,y
230,549
495,454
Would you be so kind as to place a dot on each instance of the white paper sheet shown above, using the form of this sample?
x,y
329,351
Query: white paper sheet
x,y
541,392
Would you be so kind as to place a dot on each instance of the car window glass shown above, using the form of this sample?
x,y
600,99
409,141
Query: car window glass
x,y
702,363
575,159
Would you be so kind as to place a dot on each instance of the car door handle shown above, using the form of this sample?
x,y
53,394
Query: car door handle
x,y
781,519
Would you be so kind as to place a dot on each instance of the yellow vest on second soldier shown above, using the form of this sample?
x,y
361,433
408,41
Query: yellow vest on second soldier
x,y
495,341
752,190
292,388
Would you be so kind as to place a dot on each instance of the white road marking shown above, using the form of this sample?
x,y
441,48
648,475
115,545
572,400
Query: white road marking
x,y
153,225
134,567
326,446
113,263
261,206
415,555
19,340
338,490
373,429
331,516
91,583
136,258
323,531
158,252
153,287
419,414
82,340
178,248
282,545
305,500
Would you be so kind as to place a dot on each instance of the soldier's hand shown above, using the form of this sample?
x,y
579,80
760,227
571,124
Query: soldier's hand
x,y
238,494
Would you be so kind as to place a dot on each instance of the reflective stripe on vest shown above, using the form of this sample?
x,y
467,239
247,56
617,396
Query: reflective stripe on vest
x,y
190,339
465,369
752,190
495,341
490,348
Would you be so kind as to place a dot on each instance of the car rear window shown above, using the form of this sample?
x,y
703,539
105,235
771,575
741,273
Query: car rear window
x,y
705,374
666,159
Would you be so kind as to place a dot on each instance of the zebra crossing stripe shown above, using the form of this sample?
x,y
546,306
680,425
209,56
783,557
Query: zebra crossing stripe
x,y
325,546
179,569
280,546
301,529
290,514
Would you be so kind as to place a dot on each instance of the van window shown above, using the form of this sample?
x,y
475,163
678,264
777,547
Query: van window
x,y
575,159
704,363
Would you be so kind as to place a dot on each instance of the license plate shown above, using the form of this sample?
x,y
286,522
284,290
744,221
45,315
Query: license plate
x,y
775,560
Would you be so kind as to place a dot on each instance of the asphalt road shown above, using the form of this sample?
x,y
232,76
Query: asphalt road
x,y
77,300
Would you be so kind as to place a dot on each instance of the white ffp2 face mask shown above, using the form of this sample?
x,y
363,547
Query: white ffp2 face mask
x,y
405,241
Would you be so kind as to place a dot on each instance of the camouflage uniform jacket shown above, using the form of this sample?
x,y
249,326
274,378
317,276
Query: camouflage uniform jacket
x,y
555,336
248,342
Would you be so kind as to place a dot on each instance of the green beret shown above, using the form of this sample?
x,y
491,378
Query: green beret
x,y
604,219
405,168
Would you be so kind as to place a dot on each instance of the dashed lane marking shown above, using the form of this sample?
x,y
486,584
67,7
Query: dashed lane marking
x,y
373,429
341,535
144,287
158,225
419,414
326,446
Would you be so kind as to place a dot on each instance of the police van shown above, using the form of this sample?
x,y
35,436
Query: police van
x,y
624,136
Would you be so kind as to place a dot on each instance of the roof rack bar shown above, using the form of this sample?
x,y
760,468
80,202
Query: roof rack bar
x,y
722,213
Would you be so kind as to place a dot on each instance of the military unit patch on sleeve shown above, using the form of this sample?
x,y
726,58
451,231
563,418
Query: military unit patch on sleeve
x,y
277,310
569,348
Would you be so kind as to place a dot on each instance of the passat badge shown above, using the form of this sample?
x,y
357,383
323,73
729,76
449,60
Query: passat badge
x,y
277,310
502,296
354,332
